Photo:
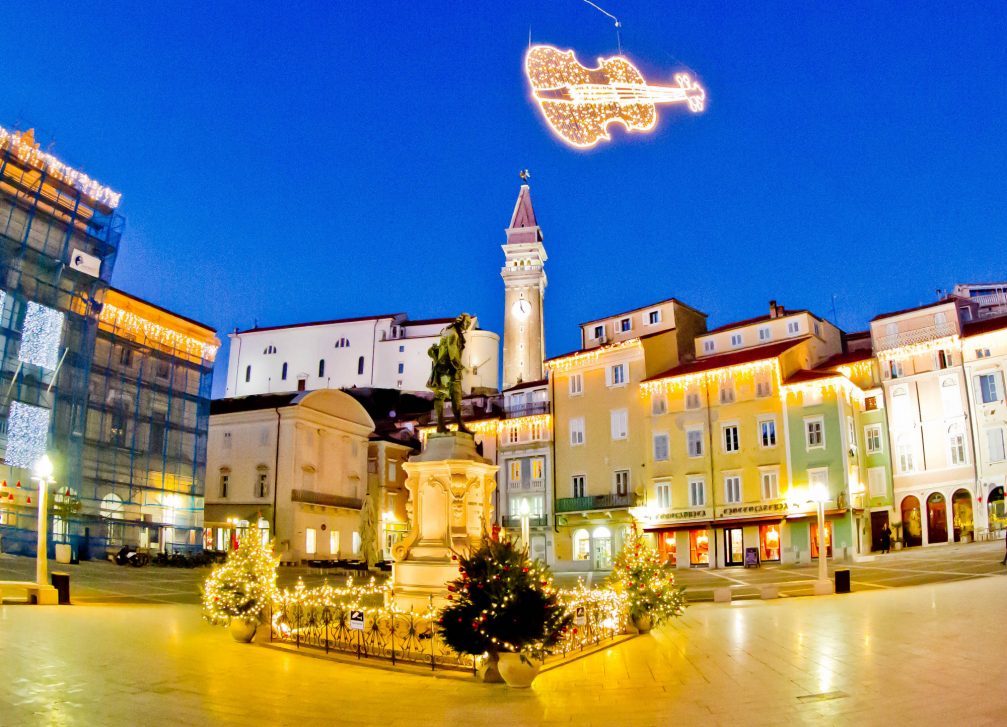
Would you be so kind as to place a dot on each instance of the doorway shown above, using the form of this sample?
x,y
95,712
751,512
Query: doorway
x,y
734,546
961,511
912,525
602,548
937,519
878,521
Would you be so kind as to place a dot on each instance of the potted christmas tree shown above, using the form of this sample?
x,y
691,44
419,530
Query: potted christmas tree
x,y
648,583
238,592
504,607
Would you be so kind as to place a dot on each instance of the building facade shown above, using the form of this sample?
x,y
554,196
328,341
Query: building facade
x,y
385,352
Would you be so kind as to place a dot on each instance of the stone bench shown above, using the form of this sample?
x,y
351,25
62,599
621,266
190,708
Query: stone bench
x,y
30,591
722,595
769,591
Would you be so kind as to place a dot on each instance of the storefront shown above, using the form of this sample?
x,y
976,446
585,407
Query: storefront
x,y
699,548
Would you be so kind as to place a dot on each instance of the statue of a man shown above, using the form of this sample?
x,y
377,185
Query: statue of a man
x,y
446,371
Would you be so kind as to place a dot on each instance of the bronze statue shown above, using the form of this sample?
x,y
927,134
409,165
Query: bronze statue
x,y
446,371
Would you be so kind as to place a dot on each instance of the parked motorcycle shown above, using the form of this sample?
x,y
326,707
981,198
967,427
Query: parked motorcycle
x,y
130,555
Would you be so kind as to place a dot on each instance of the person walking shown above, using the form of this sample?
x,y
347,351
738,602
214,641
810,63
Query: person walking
x,y
886,539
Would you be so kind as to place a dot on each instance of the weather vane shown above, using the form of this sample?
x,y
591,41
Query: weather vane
x,y
525,175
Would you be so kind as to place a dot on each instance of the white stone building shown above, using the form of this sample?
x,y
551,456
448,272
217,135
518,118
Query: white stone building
x,y
386,351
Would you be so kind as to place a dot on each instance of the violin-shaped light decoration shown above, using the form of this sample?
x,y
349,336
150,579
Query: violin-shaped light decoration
x,y
579,103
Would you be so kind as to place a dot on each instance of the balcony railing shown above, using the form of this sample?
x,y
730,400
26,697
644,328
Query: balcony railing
x,y
534,521
527,410
596,502
916,335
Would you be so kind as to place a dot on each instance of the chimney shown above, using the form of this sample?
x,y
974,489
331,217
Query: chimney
x,y
772,309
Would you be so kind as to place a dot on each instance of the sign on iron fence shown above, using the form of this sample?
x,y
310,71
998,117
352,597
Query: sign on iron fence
x,y
580,616
356,620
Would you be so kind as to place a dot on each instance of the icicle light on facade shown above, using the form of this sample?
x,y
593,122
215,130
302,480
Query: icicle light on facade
x,y
40,336
27,434
566,363
919,349
141,328
736,373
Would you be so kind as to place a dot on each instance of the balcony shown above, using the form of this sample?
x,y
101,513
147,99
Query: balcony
x,y
310,497
916,335
596,502
534,521
527,410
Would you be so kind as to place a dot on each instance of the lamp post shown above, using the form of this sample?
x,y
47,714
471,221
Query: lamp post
x,y
525,515
819,494
43,473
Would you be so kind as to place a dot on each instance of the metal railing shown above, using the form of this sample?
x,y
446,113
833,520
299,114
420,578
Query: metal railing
x,y
596,502
534,521
538,407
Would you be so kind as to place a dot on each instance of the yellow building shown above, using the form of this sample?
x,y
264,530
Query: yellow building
x,y
601,441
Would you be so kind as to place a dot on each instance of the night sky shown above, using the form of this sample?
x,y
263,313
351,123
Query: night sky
x,y
320,160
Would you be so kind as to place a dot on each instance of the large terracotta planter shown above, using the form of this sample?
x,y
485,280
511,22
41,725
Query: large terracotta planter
x,y
643,623
517,673
242,631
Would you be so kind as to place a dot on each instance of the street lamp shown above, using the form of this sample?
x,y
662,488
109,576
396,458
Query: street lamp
x,y
818,494
43,473
525,515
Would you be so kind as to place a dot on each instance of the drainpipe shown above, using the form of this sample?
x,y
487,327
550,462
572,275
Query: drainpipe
x,y
276,472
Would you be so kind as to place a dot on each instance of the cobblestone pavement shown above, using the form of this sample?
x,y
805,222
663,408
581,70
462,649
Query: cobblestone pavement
x,y
932,654
104,582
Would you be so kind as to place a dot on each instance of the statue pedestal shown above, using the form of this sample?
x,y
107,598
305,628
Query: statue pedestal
x,y
450,488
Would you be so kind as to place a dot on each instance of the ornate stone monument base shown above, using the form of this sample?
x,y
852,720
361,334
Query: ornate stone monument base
x,y
450,507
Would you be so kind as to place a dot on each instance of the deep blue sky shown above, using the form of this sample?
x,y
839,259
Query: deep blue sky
x,y
294,162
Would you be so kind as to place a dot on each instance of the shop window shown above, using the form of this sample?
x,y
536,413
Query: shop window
x,y
309,541
667,547
581,545
769,542
814,539
699,547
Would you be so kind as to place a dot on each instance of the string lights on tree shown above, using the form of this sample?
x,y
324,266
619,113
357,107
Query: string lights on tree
x,y
244,586
27,434
648,582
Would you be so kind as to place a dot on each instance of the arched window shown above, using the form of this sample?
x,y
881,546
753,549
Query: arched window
x,y
270,349
248,374
360,366
581,545
343,343
321,367
283,372
940,318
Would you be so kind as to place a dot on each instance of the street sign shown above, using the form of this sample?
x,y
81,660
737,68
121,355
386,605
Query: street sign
x,y
356,620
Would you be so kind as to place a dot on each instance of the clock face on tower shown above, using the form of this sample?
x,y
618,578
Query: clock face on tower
x,y
522,308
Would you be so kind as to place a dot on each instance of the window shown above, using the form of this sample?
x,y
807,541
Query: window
x,y
692,399
989,388
537,469
356,541
578,485
697,492
731,443
163,369
333,542
344,343
770,485
227,440
819,478
876,484
951,398
577,431
694,442
661,446
995,440
872,438
599,332
126,356
708,346
576,384
621,478
402,349
283,372
269,350
309,541
654,317
895,369
793,327
943,359
155,442
662,490
726,392
659,405
225,480
956,445
901,413
514,434
620,423
535,431
870,403
617,375
262,483
514,470
360,366
625,324
966,313
814,433
904,453
982,353
851,433
767,432
763,387
402,367
393,472
735,339
764,333
818,330
321,368
732,489
248,374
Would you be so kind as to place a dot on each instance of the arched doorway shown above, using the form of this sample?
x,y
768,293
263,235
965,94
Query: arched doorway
x,y
601,547
995,508
582,545
912,526
937,519
961,509
111,512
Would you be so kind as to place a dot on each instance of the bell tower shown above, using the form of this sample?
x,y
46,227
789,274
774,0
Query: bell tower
x,y
524,289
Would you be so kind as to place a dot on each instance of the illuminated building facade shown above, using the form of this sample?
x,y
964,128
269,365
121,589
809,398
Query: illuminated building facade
x,y
599,425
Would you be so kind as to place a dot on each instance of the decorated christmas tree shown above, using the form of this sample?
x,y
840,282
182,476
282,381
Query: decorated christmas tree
x,y
647,581
502,601
244,585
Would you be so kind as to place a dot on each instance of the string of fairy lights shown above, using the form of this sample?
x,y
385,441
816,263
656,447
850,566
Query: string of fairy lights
x,y
23,146
142,328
